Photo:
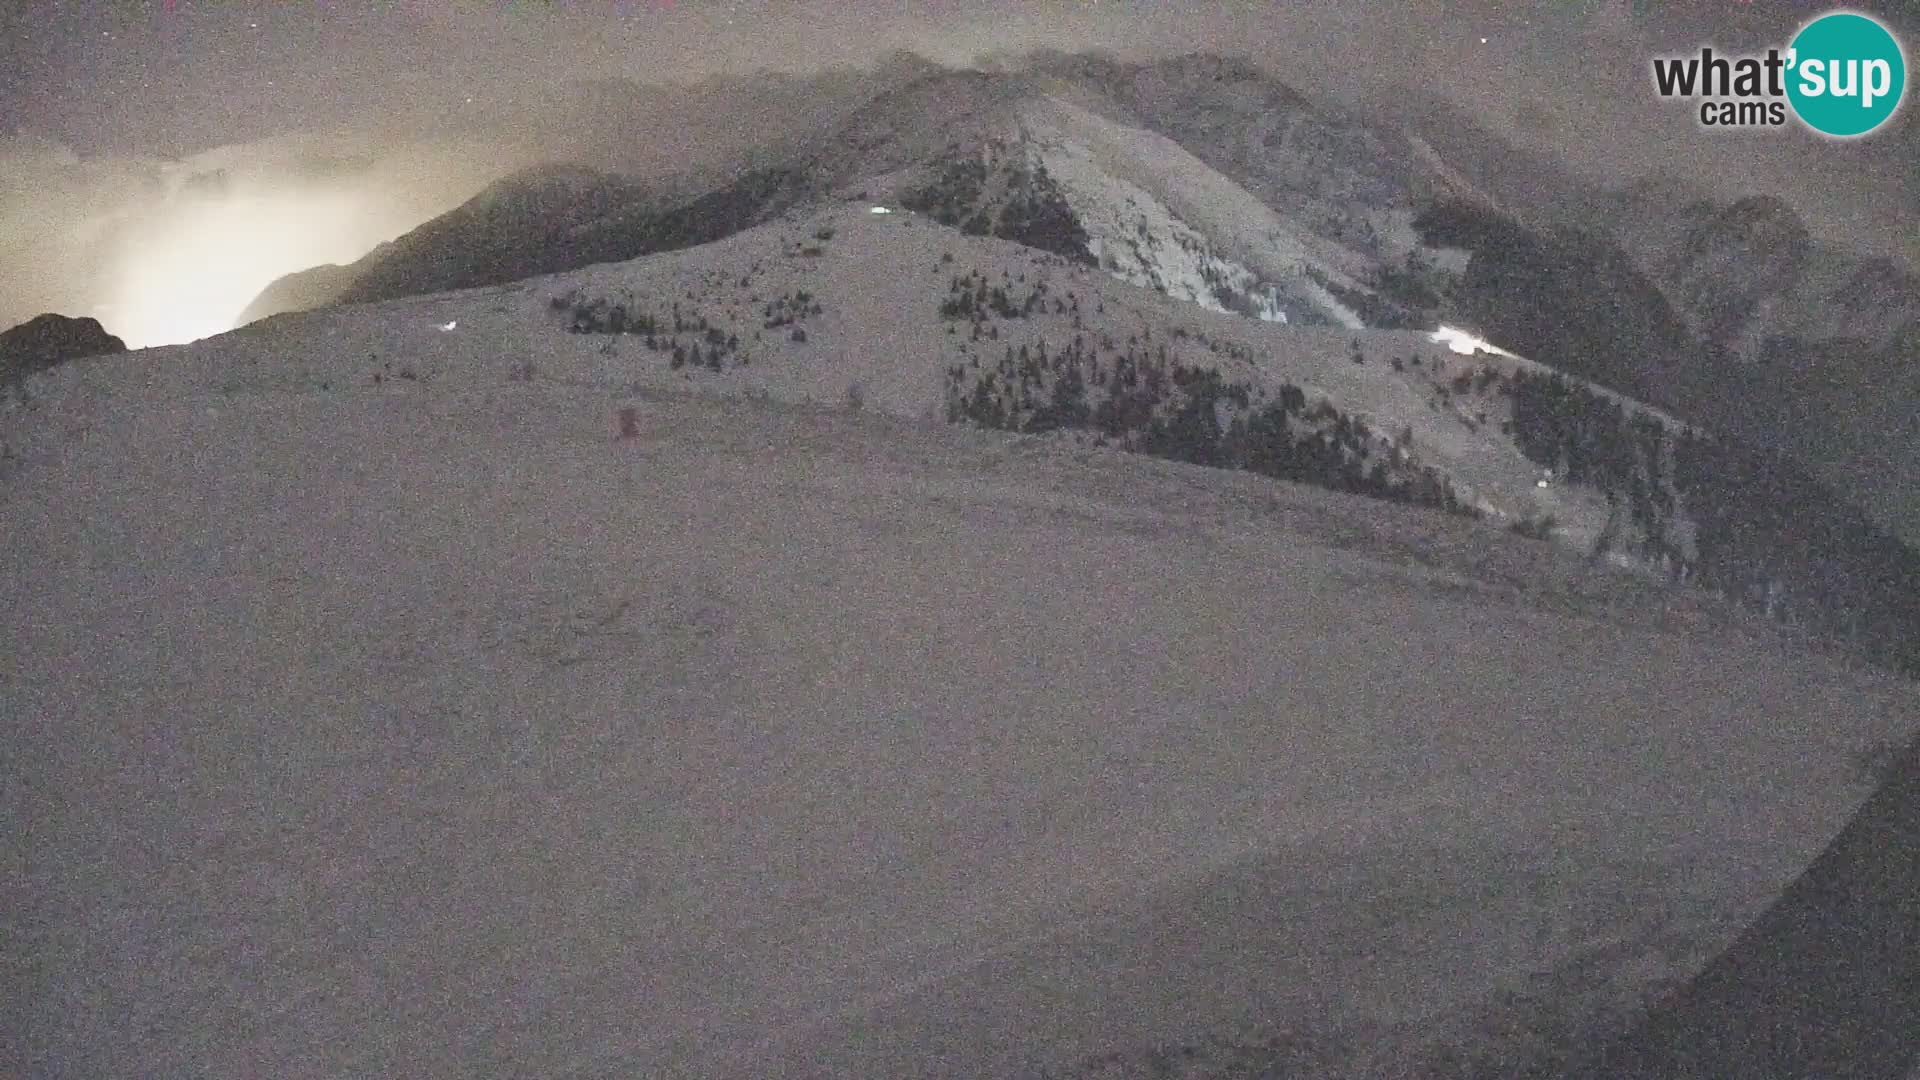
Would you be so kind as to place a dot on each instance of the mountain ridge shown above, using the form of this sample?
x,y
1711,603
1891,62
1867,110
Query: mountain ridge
x,y
1044,155
922,321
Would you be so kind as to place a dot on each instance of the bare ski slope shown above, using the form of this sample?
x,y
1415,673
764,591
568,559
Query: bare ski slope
x,y
427,729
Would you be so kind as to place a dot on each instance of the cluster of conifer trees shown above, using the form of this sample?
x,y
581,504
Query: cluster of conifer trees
x,y
1141,400
709,347
1764,531
1032,210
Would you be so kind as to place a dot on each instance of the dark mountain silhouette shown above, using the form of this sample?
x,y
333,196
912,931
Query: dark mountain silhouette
x,y
555,218
1826,983
304,290
518,227
1792,342
538,222
1725,312
1570,299
1531,185
47,341
1573,298
1810,348
1727,266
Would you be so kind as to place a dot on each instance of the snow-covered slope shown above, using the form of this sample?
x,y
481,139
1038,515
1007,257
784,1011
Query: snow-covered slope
x,y
878,283
839,304
1153,207
376,708
987,152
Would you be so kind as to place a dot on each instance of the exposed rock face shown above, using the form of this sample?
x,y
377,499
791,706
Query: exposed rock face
x,y
1726,267
49,340
1747,272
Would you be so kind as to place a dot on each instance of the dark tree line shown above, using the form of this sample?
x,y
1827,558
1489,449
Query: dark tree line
x,y
970,297
952,194
1144,402
1568,298
1032,211
789,308
1765,532
1038,216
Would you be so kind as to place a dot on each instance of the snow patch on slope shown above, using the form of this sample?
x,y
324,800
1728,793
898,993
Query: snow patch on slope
x,y
1138,239
1110,163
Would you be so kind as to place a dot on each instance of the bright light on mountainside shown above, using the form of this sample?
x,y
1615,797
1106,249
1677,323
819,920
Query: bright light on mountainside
x,y
1464,343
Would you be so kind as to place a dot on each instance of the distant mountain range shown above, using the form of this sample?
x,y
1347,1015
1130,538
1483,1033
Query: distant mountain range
x,y
1730,314
1213,183
1322,182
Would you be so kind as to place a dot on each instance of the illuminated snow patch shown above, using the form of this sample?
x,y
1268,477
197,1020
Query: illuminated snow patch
x,y
1464,343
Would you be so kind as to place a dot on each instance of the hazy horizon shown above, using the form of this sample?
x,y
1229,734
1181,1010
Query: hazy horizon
x,y
334,133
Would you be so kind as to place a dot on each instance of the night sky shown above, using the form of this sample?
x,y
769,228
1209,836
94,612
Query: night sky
x,y
96,96
171,77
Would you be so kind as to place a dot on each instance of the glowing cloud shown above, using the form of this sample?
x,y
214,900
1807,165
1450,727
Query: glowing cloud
x,y
166,251
188,272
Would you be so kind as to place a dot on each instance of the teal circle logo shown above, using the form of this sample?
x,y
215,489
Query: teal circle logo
x,y
1846,74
